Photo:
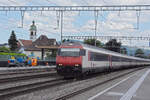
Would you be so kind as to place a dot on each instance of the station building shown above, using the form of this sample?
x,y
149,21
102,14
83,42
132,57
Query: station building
x,y
37,47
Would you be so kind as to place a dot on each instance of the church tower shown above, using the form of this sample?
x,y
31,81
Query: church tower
x,y
33,31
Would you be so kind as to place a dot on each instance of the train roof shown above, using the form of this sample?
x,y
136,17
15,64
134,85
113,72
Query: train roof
x,y
101,50
97,49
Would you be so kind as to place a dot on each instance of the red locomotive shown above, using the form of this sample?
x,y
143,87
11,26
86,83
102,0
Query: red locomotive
x,y
75,59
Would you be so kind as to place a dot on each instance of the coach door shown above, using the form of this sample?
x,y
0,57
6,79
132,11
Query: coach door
x,y
110,61
90,59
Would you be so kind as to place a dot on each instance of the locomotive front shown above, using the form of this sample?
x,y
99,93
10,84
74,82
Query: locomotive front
x,y
69,60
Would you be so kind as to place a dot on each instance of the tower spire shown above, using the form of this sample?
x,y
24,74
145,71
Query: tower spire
x,y
33,22
33,31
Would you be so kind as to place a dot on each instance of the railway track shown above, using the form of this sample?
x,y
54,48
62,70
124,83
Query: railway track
x,y
13,91
87,88
25,71
17,83
7,93
27,76
14,86
24,74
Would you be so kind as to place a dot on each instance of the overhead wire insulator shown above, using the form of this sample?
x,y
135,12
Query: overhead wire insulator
x,y
41,13
6,13
58,18
138,19
79,13
22,18
119,13
96,18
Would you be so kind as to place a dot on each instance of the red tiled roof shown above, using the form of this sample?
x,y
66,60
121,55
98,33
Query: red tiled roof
x,y
26,42
28,45
43,40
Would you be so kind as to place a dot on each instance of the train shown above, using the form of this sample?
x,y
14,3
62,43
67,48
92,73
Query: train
x,y
75,59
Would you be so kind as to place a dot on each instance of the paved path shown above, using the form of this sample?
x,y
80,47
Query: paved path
x,y
134,87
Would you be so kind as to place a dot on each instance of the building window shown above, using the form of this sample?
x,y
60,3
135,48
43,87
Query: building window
x,y
31,33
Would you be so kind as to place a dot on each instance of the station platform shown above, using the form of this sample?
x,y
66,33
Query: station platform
x,y
25,68
134,87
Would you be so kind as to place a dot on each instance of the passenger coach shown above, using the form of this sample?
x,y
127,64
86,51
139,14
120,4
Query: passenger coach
x,y
75,59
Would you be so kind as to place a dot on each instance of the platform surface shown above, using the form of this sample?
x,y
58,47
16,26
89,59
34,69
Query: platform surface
x,y
26,67
134,87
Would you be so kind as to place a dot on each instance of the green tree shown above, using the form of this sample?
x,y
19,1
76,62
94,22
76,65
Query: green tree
x,y
64,40
54,52
113,45
92,42
13,42
124,51
4,49
139,53
48,55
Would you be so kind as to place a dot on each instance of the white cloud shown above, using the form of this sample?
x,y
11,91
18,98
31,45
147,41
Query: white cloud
x,y
122,23
12,2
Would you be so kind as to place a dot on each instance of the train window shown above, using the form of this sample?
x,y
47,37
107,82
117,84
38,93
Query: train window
x,y
115,58
82,52
72,52
98,57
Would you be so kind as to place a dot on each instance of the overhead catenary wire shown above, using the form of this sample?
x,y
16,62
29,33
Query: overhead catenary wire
x,y
34,1
12,1
85,2
51,2
137,21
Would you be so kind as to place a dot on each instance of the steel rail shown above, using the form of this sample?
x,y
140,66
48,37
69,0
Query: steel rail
x,y
26,77
22,89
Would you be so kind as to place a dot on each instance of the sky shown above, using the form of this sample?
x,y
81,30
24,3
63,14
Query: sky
x,y
76,23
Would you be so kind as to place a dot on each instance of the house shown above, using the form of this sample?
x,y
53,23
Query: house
x,y
37,48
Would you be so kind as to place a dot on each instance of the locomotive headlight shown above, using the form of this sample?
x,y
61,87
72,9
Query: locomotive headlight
x,y
76,64
60,64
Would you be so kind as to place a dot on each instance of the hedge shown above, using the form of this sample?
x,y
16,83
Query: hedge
x,y
12,54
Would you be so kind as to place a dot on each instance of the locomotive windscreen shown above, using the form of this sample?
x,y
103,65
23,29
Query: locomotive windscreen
x,y
74,52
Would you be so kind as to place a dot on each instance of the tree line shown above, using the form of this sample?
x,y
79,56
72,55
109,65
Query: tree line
x,y
112,45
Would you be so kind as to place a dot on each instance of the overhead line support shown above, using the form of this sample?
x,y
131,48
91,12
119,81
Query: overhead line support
x,y
108,37
77,8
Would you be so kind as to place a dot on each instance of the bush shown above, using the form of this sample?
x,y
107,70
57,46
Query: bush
x,y
12,54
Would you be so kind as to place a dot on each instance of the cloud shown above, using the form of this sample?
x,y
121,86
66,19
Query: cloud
x,y
116,23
